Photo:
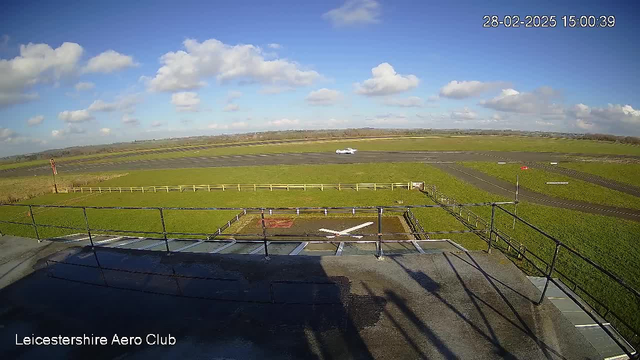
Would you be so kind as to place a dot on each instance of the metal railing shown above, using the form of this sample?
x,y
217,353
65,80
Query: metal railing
x,y
415,225
239,187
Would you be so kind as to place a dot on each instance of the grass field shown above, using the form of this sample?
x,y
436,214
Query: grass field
x,y
608,241
624,173
433,143
536,180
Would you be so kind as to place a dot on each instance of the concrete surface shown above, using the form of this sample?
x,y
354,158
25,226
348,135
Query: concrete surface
x,y
431,306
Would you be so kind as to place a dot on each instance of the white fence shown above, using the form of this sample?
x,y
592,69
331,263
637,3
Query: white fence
x,y
244,187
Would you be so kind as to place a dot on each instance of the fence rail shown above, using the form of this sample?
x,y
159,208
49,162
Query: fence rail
x,y
490,233
242,187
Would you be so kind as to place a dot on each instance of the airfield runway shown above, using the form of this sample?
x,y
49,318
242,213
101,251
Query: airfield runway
x,y
444,159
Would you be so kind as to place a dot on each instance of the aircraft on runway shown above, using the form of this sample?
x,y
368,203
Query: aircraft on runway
x,y
346,151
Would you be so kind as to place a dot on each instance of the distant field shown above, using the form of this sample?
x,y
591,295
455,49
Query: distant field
x,y
624,173
536,179
429,143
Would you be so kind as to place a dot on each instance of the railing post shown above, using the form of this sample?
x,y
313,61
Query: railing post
x,y
553,265
264,235
493,214
164,230
86,222
33,221
379,243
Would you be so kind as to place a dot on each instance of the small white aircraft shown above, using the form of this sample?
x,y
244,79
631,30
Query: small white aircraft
x,y
346,231
346,151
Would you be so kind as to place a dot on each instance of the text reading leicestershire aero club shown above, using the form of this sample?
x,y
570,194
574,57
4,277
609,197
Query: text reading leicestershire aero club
x,y
92,340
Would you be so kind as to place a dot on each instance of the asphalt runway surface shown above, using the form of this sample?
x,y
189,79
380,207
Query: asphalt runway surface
x,y
444,159
503,188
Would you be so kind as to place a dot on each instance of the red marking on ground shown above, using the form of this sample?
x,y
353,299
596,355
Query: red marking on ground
x,y
276,223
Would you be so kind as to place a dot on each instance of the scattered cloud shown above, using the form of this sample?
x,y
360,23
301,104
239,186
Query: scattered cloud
x,y
465,89
6,134
188,69
105,131
75,116
128,120
323,97
102,106
231,107
157,124
233,125
411,101
614,118
36,120
84,86
186,101
69,130
36,64
108,62
232,95
539,101
283,122
354,12
386,81
464,114
272,90
274,46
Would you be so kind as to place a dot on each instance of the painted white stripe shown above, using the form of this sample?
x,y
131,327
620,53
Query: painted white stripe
x,y
340,248
259,248
75,240
129,242
592,325
158,243
299,249
233,242
417,246
108,240
189,246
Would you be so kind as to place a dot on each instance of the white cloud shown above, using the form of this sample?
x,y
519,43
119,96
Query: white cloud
x,y
283,122
125,104
231,107
75,116
6,134
71,129
128,120
615,118
188,70
323,97
464,89
108,62
354,12
274,46
84,86
186,101
540,101
464,114
36,120
157,124
105,131
411,101
100,105
37,63
386,81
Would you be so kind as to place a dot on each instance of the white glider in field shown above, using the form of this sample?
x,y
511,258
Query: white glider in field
x,y
347,231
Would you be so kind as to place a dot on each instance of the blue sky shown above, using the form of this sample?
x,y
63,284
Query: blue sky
x,y
77,73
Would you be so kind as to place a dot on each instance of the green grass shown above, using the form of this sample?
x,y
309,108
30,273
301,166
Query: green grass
x,y
624,173
433,143
609,241
536,179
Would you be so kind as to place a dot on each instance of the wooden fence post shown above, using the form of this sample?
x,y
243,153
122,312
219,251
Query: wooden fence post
x,y
238,187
